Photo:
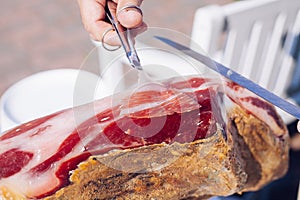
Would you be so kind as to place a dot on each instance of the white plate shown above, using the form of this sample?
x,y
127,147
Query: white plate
x,y
41,94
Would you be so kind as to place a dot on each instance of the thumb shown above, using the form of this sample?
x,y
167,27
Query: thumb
x,y
129,13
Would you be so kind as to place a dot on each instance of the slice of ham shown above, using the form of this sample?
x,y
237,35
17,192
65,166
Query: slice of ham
x,y
37,158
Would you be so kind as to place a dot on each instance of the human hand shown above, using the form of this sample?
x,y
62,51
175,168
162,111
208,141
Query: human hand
x,y
93,18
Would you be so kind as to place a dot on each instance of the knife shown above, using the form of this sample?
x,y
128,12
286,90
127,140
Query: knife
x,y
235,77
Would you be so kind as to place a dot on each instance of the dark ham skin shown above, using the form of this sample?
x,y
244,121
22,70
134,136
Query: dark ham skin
x,y
37,158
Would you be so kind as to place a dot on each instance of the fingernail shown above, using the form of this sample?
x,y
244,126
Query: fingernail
x,y
130,18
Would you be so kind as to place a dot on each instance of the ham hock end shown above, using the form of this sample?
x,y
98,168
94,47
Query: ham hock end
x,y
185,138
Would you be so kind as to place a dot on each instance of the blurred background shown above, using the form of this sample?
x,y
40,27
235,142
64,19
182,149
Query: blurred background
x,y
37,35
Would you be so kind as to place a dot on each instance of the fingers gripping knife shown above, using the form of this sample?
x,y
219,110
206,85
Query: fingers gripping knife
x,y
124,36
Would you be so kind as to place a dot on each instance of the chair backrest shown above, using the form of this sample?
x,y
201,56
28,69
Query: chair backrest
x,y
253,37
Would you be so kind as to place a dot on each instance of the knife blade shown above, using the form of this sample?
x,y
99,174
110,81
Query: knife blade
x,y
235,77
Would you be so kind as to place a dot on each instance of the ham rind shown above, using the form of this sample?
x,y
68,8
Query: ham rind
x,y
37,158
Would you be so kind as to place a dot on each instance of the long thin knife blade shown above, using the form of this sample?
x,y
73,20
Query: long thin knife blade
x,y
235,77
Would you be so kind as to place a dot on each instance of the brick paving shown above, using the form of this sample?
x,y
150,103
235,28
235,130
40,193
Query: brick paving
x,y
37,35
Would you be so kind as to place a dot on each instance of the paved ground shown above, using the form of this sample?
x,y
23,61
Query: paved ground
x,y
37,35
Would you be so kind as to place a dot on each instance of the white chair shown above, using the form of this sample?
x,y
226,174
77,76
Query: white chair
x,y
254,38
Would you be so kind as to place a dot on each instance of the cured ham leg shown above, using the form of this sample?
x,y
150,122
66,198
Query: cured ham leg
x,y
105,148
